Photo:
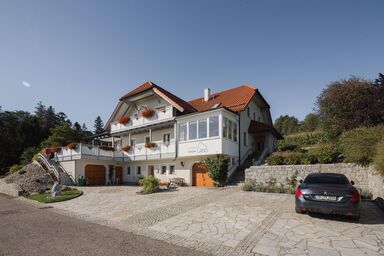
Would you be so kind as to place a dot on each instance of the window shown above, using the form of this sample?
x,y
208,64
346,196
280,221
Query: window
x,y
245,139
248,113
166,138
192,130
202,129
235,132
213,126
129,170
163,169
171,169
138,170
147,139
225,127
133,142
254,116
183,132
230,127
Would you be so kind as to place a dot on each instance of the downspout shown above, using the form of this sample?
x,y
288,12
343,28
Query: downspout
x,y
176,139
239,139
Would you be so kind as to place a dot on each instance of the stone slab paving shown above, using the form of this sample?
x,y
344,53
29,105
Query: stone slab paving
x,y
229,221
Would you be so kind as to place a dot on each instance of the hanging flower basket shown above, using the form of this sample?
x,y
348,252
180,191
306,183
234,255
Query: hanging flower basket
x,y
147,113
150,145
126,148
124,120
107,148
72,145
48,151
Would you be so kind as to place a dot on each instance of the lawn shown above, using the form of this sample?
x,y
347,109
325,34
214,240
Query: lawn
x,y
65,195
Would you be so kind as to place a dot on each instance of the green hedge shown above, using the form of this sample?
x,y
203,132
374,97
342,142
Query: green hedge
x,y
326,153
304,139
360,145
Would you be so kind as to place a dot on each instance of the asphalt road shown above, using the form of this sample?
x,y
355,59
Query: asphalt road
x,y
28,230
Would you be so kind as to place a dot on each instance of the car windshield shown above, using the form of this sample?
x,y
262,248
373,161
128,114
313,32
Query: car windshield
x,y
326,179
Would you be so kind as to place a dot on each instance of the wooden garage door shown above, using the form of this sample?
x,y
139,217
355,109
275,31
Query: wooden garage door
x,y
200,176
95,174
119,175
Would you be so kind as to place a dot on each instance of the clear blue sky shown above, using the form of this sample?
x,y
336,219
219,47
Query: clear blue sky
x,y
80,56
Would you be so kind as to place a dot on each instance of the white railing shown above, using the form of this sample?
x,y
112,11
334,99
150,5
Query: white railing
x,y
51,167
137,121
139,152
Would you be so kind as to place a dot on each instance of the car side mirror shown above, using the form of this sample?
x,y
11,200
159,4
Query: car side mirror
x,y
300,181
352,182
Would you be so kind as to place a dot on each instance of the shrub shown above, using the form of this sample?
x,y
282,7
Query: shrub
x,y
359,145
28,155
124,120
275,159
14,168
288,146
218,169
379,157
150,185
326,153
305,139
147,113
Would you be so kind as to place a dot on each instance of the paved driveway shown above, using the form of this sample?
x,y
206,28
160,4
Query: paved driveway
x,y
229,221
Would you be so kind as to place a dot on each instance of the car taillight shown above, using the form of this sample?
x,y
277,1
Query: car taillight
x,y
355,197
298,193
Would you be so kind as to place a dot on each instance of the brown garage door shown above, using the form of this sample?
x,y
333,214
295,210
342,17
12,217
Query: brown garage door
x,y
95,175
119,175
200,176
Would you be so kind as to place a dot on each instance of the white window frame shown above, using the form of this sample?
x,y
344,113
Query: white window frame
x,y
206,128
218,127
189,132
186,131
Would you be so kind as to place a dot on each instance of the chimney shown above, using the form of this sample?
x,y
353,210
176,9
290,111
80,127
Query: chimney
x,y
207,94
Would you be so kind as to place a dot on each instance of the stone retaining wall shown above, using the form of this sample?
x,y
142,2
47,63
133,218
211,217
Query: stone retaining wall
x,y
366,178
11,189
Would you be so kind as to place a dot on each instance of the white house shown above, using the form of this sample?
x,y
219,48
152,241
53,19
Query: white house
x,y
154,132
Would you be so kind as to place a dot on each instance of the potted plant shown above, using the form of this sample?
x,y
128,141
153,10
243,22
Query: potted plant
x,y
126,148
107,148
150,144
124,120
72,145
147,113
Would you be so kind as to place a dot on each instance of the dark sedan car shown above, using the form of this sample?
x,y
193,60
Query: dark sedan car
x,y
328,193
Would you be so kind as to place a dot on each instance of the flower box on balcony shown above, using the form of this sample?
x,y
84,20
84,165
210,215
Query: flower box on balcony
x,y
126,148
147,113
72,145
150,145
124,120
107,148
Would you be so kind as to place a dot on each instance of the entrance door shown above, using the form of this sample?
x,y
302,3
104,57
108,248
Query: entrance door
x,y
151,170
95,175
200,176
118,175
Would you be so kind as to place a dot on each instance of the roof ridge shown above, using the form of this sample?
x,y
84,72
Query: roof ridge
x,y
246,85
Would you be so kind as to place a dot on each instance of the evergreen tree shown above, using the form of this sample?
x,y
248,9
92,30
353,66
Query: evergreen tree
x,y
98,125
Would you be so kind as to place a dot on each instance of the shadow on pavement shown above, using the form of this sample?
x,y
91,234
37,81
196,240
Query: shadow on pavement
x,y
370,214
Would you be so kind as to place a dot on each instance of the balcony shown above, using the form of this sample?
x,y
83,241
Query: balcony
x,y
139,152
161,114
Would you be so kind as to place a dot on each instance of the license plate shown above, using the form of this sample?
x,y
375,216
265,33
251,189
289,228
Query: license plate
x,y
326,198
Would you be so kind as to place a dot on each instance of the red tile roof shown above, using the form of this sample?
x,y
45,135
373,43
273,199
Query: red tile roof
x,y
150,85
235,99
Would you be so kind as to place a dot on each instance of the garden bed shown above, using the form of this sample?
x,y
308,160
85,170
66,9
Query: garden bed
x,y
67,194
